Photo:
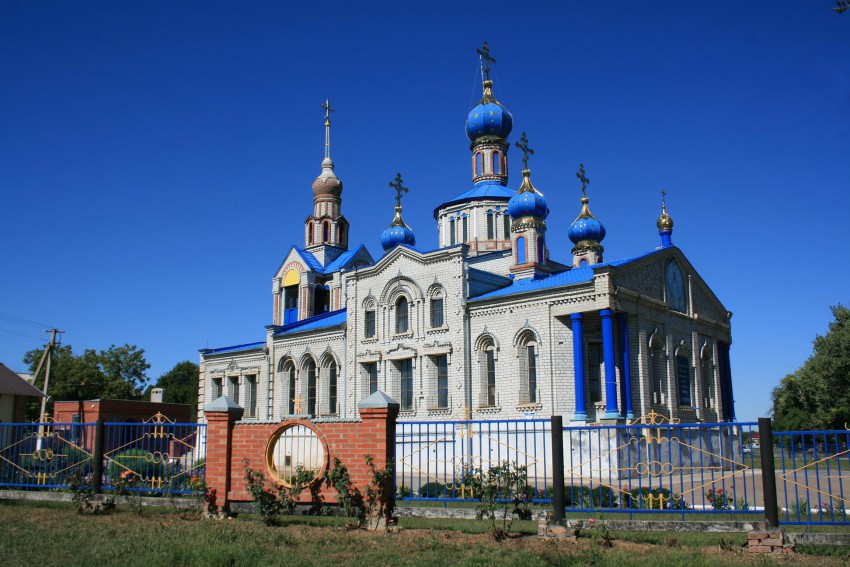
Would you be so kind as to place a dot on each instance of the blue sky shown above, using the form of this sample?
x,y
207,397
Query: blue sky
x,y
156,158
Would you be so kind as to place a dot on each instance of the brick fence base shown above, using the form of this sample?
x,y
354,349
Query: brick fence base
x,y
769,542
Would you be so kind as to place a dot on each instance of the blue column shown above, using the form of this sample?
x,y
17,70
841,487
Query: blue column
x,y
625,360
578,367
611,408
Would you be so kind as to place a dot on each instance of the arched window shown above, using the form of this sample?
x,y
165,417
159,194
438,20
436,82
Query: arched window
x,y
527,352
683,377
707,372
291,282
326,231
496,163
290,378
539,249
582,263
520,250
451,231
479,163
506,219
401,315
675,287
332,388
311,387
342,235
437,311
658,367
491,234
487,365
311,228
369,329
465,229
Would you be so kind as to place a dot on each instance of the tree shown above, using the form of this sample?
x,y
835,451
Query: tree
x,y
115,373
181,385
817,395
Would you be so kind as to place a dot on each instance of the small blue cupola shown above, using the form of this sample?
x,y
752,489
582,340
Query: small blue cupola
x,y
665,223
398,232
586,232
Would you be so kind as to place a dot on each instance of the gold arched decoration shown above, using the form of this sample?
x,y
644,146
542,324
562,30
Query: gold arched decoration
x,y
292,277
312,450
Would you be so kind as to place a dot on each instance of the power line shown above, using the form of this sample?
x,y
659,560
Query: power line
x,y
22,321
42,339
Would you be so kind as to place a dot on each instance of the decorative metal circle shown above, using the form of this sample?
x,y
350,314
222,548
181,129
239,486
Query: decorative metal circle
x,y
294,450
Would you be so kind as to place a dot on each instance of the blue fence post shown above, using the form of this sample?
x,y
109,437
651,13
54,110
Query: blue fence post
x,y
97,456
558,468
768,472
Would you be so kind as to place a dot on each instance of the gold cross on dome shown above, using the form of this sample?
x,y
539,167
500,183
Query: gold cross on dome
x,y
298,400
526,151
399,188
583,178
484,52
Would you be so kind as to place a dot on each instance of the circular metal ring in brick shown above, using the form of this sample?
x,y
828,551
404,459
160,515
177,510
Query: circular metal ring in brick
x,y
296,450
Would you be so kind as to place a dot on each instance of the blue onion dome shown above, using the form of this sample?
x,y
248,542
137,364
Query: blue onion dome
x,y
488,117
397,233
586,226
528,201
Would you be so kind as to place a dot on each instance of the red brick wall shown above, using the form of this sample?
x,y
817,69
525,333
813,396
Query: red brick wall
x,y
228,443
118,410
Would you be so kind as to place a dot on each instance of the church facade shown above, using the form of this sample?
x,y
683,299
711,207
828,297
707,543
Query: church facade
x,y
487,325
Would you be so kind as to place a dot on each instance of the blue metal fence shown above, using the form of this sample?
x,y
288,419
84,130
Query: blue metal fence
x,y
813,476
152,457
46,455
653,465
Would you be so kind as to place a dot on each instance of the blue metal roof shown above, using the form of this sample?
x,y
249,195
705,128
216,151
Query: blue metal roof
x,y
341,260
482,190
330,319
248,346
570,277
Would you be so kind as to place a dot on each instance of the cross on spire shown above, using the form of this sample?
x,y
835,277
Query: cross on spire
x,y
664,200
526,151
583,178
328,110
484,52
399,189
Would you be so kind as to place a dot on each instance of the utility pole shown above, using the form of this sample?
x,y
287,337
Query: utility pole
x,y
47,356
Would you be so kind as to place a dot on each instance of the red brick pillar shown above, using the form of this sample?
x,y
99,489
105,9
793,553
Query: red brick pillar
x,y
379,413
221,415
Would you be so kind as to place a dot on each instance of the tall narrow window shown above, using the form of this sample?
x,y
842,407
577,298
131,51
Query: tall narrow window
x,y
490,369
291,379
452,238
332,388
659,375
437,319
401,315
520,250
251,395
311,229
490,226
506,219
217,388
531,368
311,388
465,227
290,298
479,164
497,169
594,371
442,381
372,371
539,249
326,231
406,373
234,388
683,375
707,378
369,324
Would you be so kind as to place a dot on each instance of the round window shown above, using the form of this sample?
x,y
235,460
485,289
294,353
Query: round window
x,y
296,453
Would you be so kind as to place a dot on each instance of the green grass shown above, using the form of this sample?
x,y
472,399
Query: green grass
x,y
54,534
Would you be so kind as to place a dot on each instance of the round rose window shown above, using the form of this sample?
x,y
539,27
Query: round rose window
x,y
296,452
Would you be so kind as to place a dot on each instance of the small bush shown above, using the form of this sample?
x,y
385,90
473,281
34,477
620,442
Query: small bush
x,y
587,497
432,490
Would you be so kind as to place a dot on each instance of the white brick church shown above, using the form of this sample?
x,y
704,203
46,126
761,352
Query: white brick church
x,y
486,326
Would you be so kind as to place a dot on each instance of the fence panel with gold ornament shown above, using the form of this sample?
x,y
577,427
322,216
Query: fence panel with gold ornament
x,y
45,455
154,456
